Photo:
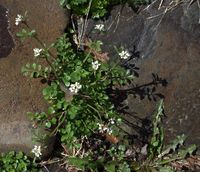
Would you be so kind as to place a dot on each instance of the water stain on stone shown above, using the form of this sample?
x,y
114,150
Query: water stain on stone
x,y
18,94
6,41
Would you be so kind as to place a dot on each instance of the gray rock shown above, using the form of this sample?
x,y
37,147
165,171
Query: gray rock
x,y
168,46
18,94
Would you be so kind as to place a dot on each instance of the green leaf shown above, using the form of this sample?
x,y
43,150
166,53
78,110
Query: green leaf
x,y
51,110
124,167
19,155
32,33
78,162
34,66
25,33
174,145
48,124
156,143
73,112
166,169
110,167
66,79
53,121
75,76
191,149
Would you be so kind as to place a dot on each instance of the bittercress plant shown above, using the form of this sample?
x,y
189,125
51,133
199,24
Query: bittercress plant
x,y
77,89
78,78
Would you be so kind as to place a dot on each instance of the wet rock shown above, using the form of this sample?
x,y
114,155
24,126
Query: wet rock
x,y
18,94
166,46
6,40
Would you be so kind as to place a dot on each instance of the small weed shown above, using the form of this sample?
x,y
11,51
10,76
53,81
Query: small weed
x,y
160,157
79,104
96,8
17,162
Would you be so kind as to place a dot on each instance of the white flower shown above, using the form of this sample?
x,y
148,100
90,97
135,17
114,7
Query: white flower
x,y
100,126
109,131
119,120
37,151
74,88
104,129
78,85
95,65
37,51
124,54
18,19
99,27
112,121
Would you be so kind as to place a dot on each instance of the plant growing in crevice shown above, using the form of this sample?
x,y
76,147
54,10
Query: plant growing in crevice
x,y
80,7
159,156
80,108
98,9
77,89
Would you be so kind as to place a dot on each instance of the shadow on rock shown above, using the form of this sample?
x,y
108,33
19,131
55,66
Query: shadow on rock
x,y
147,90
137,128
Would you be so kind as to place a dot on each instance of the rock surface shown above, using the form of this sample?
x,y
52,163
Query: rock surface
x,y
18,94
6,43
167,46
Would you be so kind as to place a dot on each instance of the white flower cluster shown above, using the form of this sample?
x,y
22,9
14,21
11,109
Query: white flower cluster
x,y
74,88
37,52
7,15
95,65
104,129
37,151
124,54
99,27
18,19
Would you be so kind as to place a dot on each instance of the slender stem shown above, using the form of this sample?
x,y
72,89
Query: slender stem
x,y
85,96
50,64
87,126
34,160
44,47
50,162
87,56
86,19
82,29
59,124
95,110
41,43
167,161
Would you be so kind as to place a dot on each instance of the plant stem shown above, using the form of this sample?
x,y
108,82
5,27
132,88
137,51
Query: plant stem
x,y
44,47
59,124
95,110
